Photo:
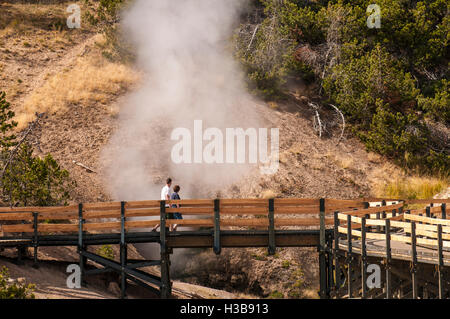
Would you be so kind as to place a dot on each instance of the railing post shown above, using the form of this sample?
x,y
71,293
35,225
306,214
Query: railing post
x,y
383,214
444,210
82,262
217,248
322,257
363,258
123,252
440,262
329,245
337,270
377,216
388,258
35,240
349,255
414,260
427,211
271,217
165,275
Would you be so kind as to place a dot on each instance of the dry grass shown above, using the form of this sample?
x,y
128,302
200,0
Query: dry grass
x,y
341,161
91,80
411,187
374,158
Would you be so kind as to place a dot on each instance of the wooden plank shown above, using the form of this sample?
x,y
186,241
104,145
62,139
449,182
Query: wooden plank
x,y
244,211
59,209
255,202
57,227
21,228
191,222
427,201
342,202
407,227
362,212
301,222
142,204
192,202
16,216
101,206
142,212
375,222
38,209
101,214
400,238
296,210
129,224
431,234
376,199
192,210
295,201
334,208
101,226
428,220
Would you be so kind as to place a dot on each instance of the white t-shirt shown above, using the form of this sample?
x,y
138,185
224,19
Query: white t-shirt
x,y
164,192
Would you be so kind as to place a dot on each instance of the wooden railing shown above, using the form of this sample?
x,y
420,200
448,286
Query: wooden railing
x,y
390,224
254,213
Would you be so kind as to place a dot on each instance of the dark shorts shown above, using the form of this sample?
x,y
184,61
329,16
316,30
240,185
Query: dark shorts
x,y
174,216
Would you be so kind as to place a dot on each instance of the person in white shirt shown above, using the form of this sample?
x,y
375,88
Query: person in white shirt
x,y
165,191
165,195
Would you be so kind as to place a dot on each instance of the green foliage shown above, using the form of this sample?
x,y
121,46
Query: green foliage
x,y
362,84
7,124
438,106
26,179
267,54
104,14
276,295
106,251
104,11
388,82
285,264
14,290
30,180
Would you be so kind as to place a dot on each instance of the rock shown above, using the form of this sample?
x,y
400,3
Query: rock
x,y
445,194
21,280
114,289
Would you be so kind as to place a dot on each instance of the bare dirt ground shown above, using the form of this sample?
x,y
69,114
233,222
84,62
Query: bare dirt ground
x,y
34,48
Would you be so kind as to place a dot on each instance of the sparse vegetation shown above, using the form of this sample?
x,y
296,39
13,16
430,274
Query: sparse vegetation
x,y
276,295
14,290
104,15
390,83
92,80
106,251
413,188
26,179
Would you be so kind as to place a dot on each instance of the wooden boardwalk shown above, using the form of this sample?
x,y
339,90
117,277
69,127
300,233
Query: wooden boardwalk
x,y
334,226
418,237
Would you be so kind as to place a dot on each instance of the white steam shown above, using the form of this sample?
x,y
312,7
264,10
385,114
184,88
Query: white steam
x,y
183,50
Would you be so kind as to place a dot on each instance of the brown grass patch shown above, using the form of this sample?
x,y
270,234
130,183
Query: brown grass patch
x,y
411,187
92,80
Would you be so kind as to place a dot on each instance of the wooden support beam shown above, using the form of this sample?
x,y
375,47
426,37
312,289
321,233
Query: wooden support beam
x,y
414,260
349,256
387,229
123,252
363,259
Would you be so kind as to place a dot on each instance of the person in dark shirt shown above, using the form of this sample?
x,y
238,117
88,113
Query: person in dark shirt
x,y
175,195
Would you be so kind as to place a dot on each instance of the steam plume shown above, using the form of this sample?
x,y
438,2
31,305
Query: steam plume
x,y
183,50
